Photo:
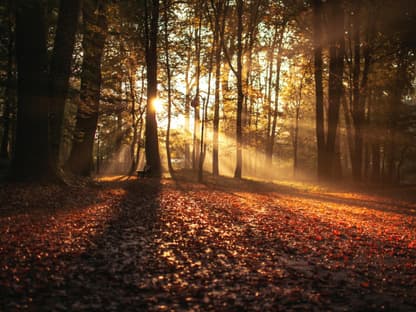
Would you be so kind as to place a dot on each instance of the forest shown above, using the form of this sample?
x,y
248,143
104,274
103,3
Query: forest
x,y
230,88
218,155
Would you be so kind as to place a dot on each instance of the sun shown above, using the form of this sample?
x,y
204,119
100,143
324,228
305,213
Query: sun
x,y
157,104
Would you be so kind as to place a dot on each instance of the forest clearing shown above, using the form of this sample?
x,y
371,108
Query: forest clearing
x,y
225,245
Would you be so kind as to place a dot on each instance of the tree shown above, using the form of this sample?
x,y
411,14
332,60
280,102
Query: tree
x,y
319,93
274,113
167,5
31,150
9,97
151,36
240,92
60,71
196,151
327,142
218,33
335,87
95,32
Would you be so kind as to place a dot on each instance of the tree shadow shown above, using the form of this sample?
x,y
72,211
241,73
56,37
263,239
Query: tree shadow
x,y
174,245
81,270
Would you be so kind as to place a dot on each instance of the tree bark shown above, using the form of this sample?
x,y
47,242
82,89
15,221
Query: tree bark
x,y
31,151
196,152
168,73
60,72
218,35
319,93
240,93
95,32
268,99
187,111
151,136
335,88
8,94
358,111
275,116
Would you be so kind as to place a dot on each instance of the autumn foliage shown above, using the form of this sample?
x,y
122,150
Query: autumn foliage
x,y
226,245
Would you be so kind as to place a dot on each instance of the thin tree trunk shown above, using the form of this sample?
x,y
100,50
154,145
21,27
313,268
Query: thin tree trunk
x,y
319,93
168,73
295,142
132,79
365,97
240,95
358,110
187,111
335,88
276,95
254,8
196,152
394,111
268,96
205,102
216,121
137,122
218,35
348,126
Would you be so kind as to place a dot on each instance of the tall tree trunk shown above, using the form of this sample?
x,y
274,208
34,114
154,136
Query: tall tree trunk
x,y
168,73
253,12
357,107
187,111
218,36
295,141
60,72
216,121
335,88
319,93
394,112
276,96
268,98
365,97
203,145
240,93
152,141
31,151
348,126
137,117
132,95
95,32
196,152
8,94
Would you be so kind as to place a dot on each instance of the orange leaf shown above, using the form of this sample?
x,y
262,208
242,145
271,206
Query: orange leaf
x,y
412,244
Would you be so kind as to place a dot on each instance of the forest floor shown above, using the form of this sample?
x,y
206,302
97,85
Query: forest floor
x,y
174,245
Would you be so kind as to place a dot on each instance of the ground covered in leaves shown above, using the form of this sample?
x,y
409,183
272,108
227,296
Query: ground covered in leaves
x,y
225,245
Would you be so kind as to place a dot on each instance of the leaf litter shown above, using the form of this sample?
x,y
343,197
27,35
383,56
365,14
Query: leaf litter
x,y
165,245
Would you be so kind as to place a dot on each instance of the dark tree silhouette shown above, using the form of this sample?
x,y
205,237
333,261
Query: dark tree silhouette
x,y
31,150
95,32
151,36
